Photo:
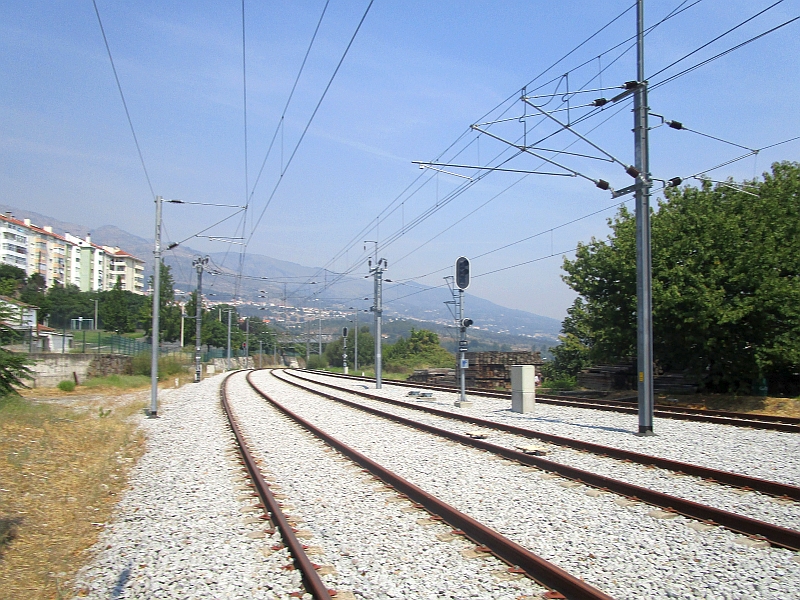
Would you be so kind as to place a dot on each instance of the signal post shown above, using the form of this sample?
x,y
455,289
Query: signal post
x,y
462,283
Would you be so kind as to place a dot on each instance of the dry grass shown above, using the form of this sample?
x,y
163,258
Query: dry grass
x,y
62,469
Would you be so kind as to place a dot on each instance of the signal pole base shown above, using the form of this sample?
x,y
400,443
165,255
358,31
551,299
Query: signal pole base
x,y
645,431
463,403
151,414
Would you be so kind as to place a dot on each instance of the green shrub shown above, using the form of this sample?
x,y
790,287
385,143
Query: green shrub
x,y
563,383
317,362
118,381
171,364
66,386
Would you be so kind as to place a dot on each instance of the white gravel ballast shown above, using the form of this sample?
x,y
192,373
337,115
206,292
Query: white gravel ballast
x,y
180,530
617,546
751,504
371,543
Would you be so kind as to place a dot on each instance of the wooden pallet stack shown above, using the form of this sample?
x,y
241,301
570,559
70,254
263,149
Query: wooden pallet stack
x,y
491,370
605,378
433,376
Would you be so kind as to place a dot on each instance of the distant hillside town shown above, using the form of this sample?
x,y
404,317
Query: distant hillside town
x,y
67,259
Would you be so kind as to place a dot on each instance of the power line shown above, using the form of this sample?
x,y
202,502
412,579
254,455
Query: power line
x,y
679,9
121,95
311,118
288,101
721,54
720,36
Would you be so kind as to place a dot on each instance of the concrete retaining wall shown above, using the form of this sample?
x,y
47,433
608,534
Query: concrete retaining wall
x,y
52,368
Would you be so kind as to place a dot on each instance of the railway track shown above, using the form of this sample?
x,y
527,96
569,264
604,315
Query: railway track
x,y
556,581
752,420
737,480
322,413
756,529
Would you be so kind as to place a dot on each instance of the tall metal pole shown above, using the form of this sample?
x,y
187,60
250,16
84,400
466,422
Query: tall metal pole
x,y
378,309
308,340
355,358
199,264
319,337
247,343
156,306
229,338
644,304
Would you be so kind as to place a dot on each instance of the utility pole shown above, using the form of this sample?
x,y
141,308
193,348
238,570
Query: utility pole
x,y
199,264
344,349
308,345
644,289
260,352
377,308
156,305
230,311
355,336
319,338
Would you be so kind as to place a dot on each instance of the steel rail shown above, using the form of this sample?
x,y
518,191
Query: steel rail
x,y
542,571
765,486
311,580
774,534
719,417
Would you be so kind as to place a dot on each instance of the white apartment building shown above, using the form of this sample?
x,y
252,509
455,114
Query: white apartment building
x,y
125,267
67,259
14,237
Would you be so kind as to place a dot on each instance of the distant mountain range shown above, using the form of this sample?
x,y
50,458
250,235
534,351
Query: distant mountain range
x,y
408,301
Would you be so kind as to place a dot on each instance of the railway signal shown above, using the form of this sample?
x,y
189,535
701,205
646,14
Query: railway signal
x,y
462,273
462,283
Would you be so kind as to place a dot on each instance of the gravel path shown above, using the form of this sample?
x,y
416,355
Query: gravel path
x,y
180,531
751,504
372,544
620,549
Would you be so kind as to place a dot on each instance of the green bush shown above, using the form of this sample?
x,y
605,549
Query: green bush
x,y
317,362
562,384
66,386
167,365
118,381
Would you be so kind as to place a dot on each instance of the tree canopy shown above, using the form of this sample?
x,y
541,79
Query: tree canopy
x,y
726,284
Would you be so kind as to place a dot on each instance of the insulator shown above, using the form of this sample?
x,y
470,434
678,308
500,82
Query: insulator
x,y
602,184
631,85
675,182
632,171
675,124
600,102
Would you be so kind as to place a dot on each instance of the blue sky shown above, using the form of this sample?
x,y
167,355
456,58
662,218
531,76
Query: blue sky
x,y
417,76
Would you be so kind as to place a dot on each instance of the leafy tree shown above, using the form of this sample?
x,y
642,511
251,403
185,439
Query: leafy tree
x,y
114,311
169,313
64,303
366,349
726,283
215,328
572,354
421,349
11,280
34,290
14,369
214,334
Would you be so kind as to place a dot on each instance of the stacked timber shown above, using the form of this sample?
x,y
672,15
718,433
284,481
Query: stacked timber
x,y
492,370
604,378
433,376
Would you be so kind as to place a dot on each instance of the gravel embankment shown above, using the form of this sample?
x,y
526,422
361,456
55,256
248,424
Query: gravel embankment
x,y
181,529
616,546
750,504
